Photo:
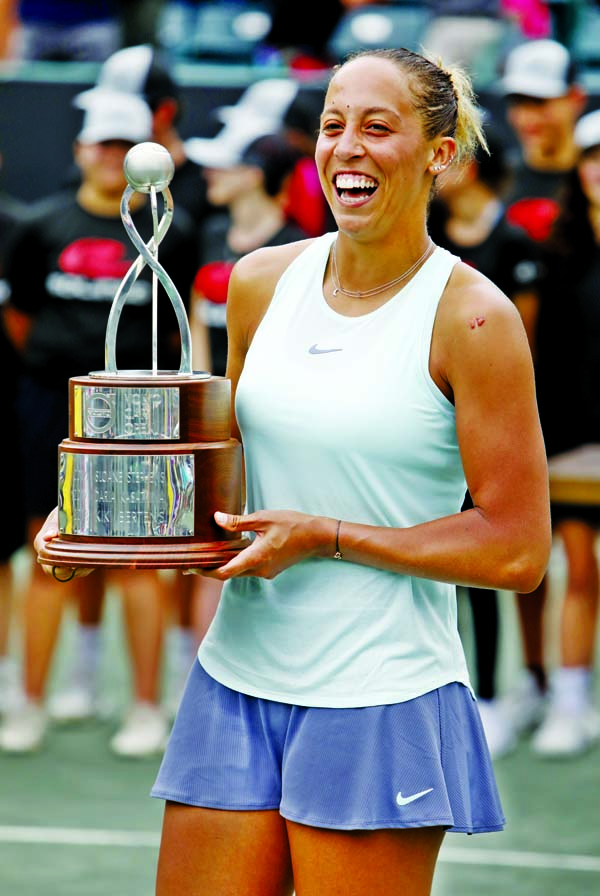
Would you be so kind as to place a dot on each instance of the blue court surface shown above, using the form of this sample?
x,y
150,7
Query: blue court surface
x,y
77,821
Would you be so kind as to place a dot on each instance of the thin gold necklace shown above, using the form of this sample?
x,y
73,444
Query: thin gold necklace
x,y
355,294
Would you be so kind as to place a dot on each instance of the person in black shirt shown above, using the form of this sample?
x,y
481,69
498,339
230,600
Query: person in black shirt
x,y
64,269
567,376
468,217
544,100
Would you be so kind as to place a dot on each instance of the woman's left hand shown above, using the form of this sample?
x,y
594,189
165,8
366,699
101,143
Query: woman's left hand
x,y
49,531
282,538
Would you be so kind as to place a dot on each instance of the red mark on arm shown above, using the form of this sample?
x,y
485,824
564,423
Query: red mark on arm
x,y
476,322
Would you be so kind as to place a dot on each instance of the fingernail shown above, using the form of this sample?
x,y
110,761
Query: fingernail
x,y
220,517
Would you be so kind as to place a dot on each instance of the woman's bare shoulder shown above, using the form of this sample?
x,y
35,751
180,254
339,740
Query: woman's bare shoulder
x,y
471,299
252,284
477,326
266,265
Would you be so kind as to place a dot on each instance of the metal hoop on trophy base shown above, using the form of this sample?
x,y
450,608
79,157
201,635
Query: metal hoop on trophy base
x,y
149,456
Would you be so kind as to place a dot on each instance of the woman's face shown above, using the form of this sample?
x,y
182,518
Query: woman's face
x,y
371,153
101,165
589,175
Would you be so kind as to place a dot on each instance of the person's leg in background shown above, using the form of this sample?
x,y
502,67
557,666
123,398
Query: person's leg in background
x,y
191,601
205,600
572,723
10,691
24,728
524,707
486,632
145,729
180,640
81,696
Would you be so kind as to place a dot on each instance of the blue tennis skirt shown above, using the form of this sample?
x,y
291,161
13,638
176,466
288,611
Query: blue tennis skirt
x,y
423,762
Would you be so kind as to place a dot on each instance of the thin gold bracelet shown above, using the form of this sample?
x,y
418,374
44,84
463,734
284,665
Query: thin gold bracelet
x,y
338,553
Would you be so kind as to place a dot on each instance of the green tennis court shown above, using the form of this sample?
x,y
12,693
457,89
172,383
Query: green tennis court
x,y
77,821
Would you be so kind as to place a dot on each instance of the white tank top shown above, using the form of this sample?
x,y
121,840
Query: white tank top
x,y
340,417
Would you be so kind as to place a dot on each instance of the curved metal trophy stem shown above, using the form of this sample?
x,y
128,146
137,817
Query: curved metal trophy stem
x,y
148,256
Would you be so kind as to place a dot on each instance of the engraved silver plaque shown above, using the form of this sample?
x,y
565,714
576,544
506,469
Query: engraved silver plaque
x,y
131,412
126,495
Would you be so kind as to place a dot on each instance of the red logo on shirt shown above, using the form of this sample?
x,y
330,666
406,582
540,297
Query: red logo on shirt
x,y
536,216
212,281
95,258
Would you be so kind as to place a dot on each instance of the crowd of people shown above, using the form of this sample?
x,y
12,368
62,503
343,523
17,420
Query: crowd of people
x,y
410,245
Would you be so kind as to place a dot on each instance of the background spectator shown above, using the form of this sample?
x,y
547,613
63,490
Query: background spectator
x,y
468,218
567,375
544,101
57,319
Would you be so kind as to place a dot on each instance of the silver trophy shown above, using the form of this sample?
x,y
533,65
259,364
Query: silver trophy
x,y
149,457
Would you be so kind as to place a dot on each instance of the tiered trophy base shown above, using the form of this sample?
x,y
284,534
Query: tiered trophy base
x,y
148,460
69,552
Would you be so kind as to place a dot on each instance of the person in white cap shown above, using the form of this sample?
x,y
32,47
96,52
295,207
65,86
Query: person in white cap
x,y
567,352
544,101
144,71
64,268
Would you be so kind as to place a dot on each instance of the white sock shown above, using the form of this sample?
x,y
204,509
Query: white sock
x,y
6,663
88,655
181,644
571,688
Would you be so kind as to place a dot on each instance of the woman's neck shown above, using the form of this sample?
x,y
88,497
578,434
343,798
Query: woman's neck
x,y
105,205
473,217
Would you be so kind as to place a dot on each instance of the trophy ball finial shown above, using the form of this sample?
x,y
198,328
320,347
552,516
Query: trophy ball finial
x,y
148,165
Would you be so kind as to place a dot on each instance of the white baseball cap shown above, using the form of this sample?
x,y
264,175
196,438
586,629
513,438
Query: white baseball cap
x,y
538,68
270,97
228,148
587,130
141,71
111,115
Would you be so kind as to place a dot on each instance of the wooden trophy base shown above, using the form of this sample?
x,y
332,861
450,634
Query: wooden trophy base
x,y
148,461
65,552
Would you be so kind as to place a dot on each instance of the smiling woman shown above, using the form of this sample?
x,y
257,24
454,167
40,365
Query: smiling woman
x,y
329,727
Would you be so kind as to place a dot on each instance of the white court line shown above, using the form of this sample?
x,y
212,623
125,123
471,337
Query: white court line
x,y
77,836
520,859
455,855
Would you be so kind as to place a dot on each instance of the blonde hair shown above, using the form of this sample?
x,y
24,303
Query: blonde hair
x,y
443,98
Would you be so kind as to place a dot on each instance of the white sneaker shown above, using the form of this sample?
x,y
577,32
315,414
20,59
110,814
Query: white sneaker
x,y
144,732
75,704
523,707
565,734
500,734
23,730
11,692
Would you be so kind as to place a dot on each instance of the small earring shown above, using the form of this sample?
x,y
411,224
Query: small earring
x,y
436,167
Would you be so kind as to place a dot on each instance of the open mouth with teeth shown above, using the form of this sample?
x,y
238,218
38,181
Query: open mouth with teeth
x,y
354,187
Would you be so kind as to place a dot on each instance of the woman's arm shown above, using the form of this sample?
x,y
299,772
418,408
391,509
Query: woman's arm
x,y
481,360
